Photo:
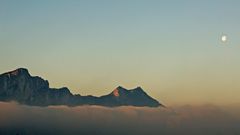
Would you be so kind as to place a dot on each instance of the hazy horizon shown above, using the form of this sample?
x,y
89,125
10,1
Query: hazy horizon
x,y
172,49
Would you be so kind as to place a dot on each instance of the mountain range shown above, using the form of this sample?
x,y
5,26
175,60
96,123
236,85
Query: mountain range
x,y
20,86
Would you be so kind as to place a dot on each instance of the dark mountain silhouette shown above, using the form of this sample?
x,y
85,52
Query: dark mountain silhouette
x,y
20,86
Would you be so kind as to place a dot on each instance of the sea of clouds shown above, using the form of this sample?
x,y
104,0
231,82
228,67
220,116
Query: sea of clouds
x,y
18,119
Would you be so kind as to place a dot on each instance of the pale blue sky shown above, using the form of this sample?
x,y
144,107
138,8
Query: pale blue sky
x,y
170,48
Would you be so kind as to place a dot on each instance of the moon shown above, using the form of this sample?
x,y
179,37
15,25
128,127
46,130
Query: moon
x,y
224,38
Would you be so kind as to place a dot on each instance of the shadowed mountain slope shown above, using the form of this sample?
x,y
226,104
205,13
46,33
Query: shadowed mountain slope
x,y
20,86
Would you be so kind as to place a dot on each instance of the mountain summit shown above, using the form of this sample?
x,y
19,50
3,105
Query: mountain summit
x,y
20,86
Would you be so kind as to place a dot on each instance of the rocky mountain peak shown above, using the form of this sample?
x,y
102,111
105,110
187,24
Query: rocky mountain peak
x,y
118,91
18,72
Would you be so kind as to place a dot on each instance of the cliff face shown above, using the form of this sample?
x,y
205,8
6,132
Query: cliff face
x,y
20,86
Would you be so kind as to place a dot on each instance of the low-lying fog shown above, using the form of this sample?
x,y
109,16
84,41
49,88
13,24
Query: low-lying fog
x,y
91,120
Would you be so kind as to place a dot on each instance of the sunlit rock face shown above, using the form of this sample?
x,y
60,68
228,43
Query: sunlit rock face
x,y
20,86
116,93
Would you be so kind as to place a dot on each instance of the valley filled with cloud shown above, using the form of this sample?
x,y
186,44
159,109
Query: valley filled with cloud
x,y
127,120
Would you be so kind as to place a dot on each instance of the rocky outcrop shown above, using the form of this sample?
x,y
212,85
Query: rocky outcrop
x,y
20,86
121,96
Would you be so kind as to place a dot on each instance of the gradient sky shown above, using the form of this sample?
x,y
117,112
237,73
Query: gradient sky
x,y
170,48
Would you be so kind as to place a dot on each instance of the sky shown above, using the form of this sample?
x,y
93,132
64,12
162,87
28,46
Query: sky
x,y
172,49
